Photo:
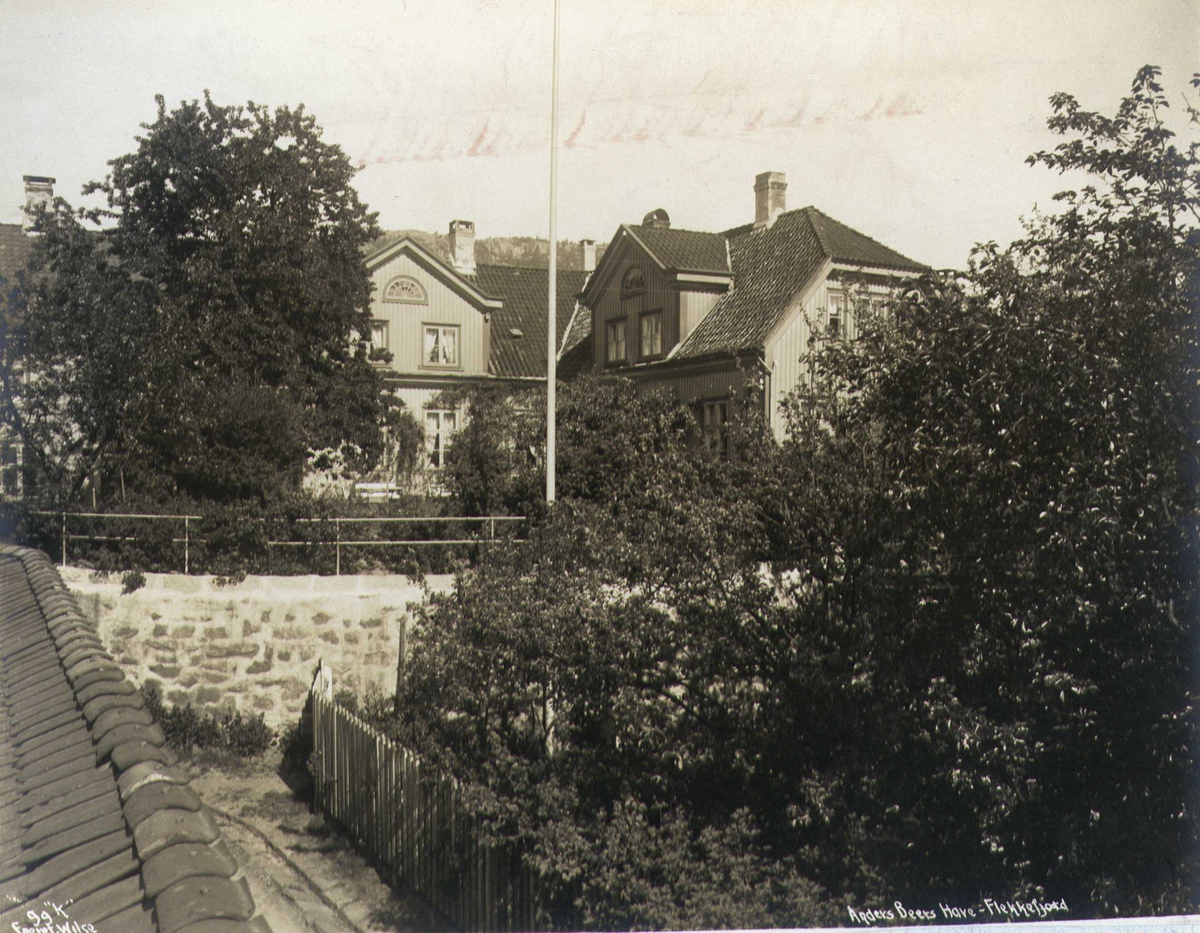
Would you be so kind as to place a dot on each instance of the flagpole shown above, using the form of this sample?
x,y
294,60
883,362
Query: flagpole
x,y
551,324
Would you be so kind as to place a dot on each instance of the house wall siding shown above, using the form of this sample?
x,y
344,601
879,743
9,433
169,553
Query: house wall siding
x,y
659,296
406,321
693,387
693,306
785,352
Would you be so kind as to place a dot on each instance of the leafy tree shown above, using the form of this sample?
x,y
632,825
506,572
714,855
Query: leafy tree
x,y
992,499
614,440
209,336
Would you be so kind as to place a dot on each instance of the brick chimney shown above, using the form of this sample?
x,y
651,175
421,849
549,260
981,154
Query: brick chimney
x,y
589,255
38,190
770,198
462,246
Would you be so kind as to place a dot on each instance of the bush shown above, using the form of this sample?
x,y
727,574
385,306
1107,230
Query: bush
x,y
132,581
188,729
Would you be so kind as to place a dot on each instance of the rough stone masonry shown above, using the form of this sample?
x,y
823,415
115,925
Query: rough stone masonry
x,y
252,645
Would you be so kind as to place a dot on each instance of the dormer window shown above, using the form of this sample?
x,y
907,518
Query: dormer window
x,y
650,332
633,283
406,290
614,341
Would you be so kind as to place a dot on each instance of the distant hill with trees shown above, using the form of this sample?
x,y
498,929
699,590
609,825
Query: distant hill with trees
x,y
500,250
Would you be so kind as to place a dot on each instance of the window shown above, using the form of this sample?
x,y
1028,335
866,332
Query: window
x,y
405,289
651,334
715,426
835,328
633,282
441,345
10,462
440,425
379,336
614,341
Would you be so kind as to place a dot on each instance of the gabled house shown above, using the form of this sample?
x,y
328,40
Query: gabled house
x,y
701,314
454,323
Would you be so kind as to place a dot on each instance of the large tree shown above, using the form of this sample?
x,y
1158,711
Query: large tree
x,y
202,333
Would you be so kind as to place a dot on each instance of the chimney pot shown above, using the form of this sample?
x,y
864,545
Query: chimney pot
x,y
589,255
462,246
770,197
39,189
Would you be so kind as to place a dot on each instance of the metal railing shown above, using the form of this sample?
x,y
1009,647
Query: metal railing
x,y
338,542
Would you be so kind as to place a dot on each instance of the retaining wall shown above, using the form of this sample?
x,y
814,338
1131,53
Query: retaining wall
x,y
253,645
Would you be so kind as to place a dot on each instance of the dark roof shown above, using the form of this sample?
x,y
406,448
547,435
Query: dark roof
x,y
96,819
575,356
14,251
844,244
684,250
519,328
771,265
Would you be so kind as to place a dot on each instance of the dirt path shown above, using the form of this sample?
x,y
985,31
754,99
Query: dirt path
x,y
305,876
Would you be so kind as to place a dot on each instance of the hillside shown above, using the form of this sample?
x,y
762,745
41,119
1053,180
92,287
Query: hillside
x,y
500,250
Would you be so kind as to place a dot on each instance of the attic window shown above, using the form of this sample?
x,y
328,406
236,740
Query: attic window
x,y
516,333
633,282
405,289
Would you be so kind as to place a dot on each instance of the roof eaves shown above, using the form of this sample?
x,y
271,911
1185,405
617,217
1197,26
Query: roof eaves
x,y
808,215
642,243
470,289
113,797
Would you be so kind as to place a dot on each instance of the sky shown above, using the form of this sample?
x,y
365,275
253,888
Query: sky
x,y
909,120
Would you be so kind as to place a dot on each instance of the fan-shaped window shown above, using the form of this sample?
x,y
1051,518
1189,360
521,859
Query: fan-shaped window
x,y
406,289
634,281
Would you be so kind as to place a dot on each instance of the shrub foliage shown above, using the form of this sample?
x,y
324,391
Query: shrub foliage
x,y
940,641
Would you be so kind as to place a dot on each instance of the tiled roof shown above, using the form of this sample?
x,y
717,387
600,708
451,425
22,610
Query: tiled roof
x,y
14,251
525,292
770,266
844,244
575,356
684,250
98,826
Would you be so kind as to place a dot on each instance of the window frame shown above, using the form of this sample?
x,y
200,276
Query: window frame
x,y
383,326
405,300
442,329
619,326
715,433
836,313
439,442
638,288
643,318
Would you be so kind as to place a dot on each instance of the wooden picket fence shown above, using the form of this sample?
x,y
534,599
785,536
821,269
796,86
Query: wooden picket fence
x,y
413,822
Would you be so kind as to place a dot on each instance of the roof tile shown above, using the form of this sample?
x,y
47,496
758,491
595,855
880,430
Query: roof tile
x,y
519,328
187,860
193,899
14,251
684,250
74,818
770,265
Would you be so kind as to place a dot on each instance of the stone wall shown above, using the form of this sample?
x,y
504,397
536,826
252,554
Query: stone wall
x,y
253,645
